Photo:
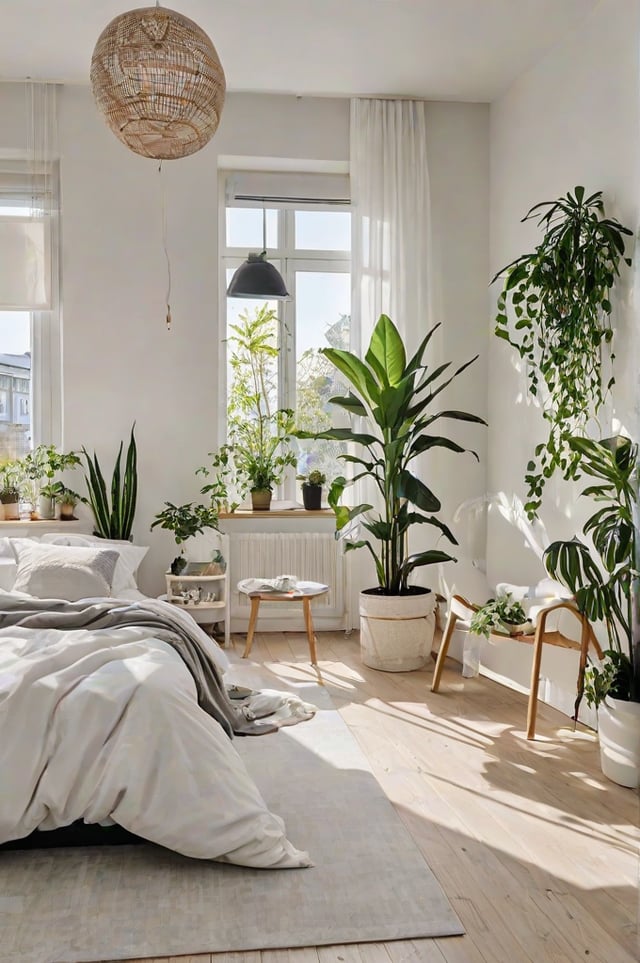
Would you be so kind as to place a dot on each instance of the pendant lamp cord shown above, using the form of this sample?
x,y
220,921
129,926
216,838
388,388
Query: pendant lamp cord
x,y
264,228
163,208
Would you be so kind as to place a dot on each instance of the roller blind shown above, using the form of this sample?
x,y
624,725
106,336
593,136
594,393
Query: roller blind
x,y
25,238
286,189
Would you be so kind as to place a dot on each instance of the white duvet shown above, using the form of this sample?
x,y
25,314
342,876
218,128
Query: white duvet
x,y
104,725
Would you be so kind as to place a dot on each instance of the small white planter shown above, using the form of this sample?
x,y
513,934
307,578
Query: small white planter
x,y
619,737
396,631
46,507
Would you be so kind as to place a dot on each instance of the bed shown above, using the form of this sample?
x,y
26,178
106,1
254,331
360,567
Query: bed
x,y
114,710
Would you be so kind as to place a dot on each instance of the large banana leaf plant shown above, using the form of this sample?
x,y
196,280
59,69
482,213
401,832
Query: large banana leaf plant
x,y
603,575
393,398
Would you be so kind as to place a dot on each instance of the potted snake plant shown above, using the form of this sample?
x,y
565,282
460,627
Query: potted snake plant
x,y
395,396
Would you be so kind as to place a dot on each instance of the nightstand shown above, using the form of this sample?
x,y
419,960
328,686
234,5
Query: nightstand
x,y
213,590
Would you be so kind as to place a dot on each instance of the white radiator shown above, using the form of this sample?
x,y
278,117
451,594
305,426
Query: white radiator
x,y
310,556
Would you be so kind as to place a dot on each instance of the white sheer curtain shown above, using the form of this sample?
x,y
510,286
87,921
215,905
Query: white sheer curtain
x,y
391,232
392,252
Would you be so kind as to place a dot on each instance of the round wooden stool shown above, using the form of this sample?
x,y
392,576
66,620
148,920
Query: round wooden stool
x,y
298,596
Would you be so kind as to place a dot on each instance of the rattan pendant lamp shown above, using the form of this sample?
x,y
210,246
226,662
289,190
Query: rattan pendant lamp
x,y
158,81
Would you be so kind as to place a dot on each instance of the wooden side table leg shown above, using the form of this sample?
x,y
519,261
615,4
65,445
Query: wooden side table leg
x,y
444,648
306,605
253,618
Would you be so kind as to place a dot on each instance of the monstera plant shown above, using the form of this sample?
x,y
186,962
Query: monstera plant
x,y
602,572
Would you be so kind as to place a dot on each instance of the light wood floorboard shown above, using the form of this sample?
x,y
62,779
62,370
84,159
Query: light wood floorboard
x,y
537,852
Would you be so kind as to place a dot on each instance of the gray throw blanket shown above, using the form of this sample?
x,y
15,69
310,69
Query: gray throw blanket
x,y
32,613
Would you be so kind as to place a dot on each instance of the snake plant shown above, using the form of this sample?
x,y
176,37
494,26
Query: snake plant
x,y
113,509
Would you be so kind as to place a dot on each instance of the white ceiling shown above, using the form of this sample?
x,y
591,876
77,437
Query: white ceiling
x,y
436,49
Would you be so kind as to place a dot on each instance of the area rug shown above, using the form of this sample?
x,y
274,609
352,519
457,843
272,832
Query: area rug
x,y
369,881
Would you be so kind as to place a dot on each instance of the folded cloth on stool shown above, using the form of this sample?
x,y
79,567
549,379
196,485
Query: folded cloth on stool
x,y
274,586
283,583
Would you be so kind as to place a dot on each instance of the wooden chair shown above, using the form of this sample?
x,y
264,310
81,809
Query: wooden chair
x,y
462,610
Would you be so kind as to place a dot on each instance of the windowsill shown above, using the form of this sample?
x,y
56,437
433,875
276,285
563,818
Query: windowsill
x,y
289,513
76,523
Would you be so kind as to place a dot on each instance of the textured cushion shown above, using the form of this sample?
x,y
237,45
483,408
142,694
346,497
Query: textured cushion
x,y
129,556
61,571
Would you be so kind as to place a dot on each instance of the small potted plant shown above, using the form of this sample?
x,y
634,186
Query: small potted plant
x,y
502,614
11,480
185,521
45,462
312,489
67,500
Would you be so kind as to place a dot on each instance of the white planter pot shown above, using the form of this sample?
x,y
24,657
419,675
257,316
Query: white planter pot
x,y
396,631
46,507
619,737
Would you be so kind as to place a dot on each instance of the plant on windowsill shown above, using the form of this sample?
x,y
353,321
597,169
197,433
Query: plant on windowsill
x,y
67,500
604,576
113,516
185,521
225,480
312,489
45,462
259,434
502,614
11,480
560,297
395,396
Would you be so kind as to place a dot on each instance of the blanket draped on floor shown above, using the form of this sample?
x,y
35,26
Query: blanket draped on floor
x,y
114,711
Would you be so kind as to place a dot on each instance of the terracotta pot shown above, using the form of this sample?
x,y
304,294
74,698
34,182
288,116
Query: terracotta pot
x,y
11,511
396,631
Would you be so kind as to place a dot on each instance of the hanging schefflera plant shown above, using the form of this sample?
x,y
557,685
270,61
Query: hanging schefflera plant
x,y
559,300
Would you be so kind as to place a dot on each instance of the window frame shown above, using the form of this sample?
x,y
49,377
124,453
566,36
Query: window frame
x,y
45,397
289,260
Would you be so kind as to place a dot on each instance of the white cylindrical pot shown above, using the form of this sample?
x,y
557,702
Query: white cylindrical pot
x,y
396,631
619,737
46,507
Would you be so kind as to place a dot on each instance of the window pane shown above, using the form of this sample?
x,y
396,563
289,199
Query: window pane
x,y
323,318
323,230
15,384
244,228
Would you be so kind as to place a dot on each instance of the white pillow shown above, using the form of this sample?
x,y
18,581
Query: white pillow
x,y
129,557
8,567
61,571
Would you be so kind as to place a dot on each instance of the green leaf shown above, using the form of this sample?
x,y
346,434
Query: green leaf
x,y
386,352
416,492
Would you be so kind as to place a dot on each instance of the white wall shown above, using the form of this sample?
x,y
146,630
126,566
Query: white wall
x,y
121,364
572,119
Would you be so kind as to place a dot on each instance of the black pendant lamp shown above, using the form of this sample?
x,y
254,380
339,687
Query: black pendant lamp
x,y
257,278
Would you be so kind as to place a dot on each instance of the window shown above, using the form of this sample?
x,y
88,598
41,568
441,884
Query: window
x,y
29,324
308,239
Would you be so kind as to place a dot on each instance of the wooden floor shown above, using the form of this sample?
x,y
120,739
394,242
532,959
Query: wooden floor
x,y
537,852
